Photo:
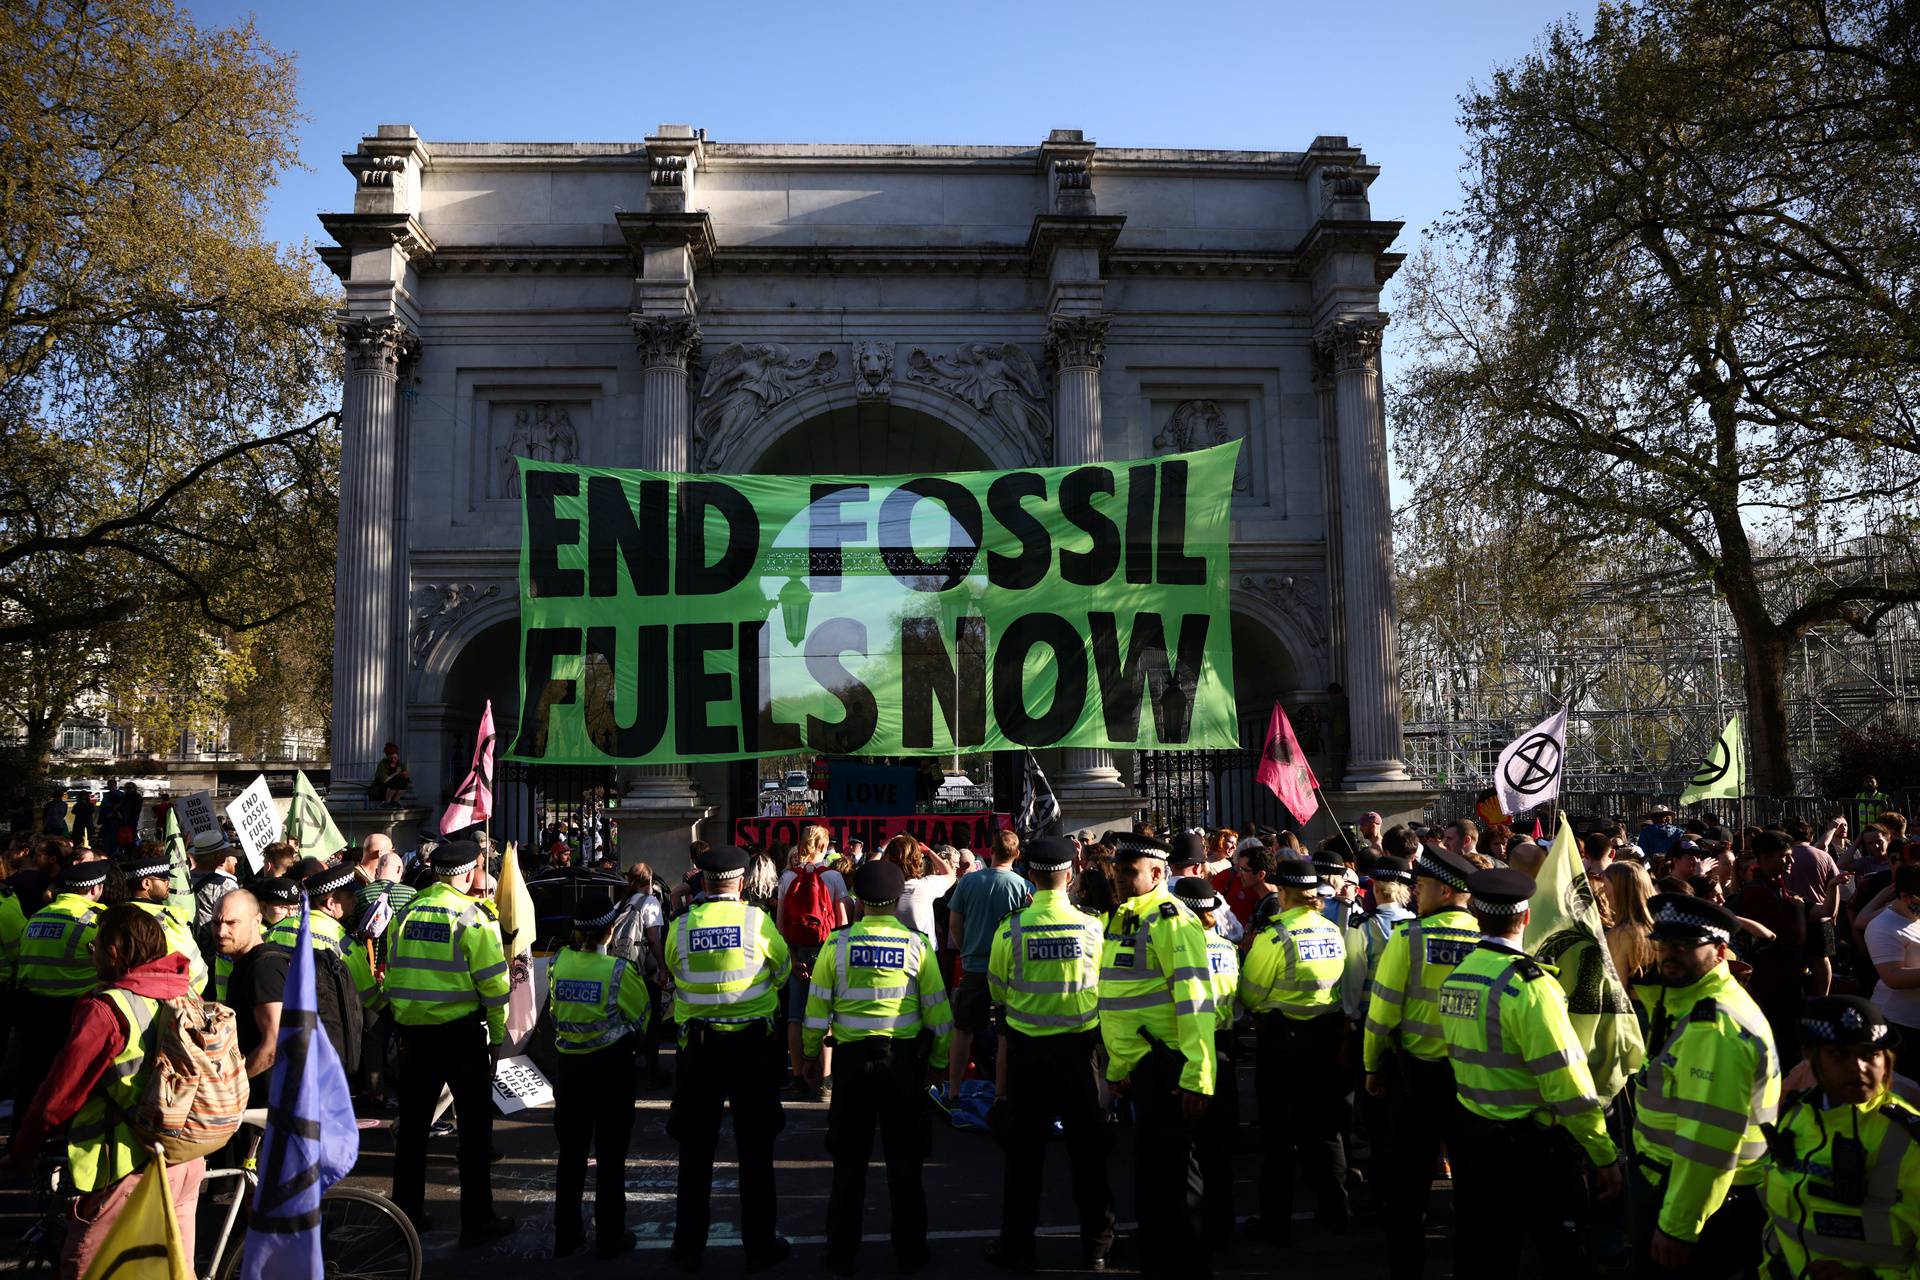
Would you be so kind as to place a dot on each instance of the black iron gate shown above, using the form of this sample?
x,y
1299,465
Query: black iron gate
x,y
533,804
1181,789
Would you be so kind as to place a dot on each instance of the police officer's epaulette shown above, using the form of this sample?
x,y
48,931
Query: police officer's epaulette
x,y
1899,1111
1170,911
1529,969
1703,1011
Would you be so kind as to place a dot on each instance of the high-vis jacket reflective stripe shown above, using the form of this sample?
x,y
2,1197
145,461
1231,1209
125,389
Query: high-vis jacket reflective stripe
x,y
1223,964
1155,982
1045,967
728,963
1708,1090
13,926
444,962
101,1147
179,938
877,978
1806,1224
56,951
1404,1004
330,935
595,998
1295,966
1515,1053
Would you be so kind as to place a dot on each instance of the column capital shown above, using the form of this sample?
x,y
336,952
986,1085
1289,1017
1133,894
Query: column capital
x,y
1077,341
1351,342
378,345
666,341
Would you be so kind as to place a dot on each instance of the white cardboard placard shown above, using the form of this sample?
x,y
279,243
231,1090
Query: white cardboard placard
x,y
197,814
255,820
518,1085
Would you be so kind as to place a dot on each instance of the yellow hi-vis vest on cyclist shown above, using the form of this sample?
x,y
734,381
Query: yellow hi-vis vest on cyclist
x,y
330,935
1713,1083
1223,963
101,1147
728,963
596,999
1807,1224
56,951
877,978
1406,986
1045,967
1514,1051
13,927
1295,966
1155,982
445,964
179,938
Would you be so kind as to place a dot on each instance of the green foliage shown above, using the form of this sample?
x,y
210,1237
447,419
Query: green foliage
x,y
1888,753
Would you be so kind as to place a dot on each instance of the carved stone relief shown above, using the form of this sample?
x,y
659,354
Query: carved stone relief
x,y
436,607
1296,598
1000,380
873,369
542,431
1201,424
744,382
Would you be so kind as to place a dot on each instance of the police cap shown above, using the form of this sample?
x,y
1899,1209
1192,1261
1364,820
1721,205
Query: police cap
x,y
278,890
1196,893
1501,891
1189,849
1130,846
455,856
1049,853
878,883
1846,1020
594,912
84,875
1449,868
152,867
1681,917
1297,872
1388,867
728,862
328,880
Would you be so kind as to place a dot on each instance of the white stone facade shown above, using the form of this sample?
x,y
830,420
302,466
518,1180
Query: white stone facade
x,y
684,303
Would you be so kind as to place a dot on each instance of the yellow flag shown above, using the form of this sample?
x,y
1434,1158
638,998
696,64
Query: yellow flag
x,y
516,907
144,1241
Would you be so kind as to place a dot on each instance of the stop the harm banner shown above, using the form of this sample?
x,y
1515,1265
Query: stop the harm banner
x,y
671,618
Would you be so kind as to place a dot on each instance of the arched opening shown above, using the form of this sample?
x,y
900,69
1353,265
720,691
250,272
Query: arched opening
x,y
1263,670
871,440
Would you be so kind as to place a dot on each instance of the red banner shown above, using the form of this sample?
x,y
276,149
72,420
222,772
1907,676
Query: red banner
x,y
961,830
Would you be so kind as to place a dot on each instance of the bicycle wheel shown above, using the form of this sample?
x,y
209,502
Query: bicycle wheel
x,y
362,1237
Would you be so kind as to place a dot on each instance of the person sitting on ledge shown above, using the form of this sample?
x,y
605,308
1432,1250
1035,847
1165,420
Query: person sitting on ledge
x,y
390,780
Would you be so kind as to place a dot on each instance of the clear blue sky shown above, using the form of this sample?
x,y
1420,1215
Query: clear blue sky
x,y
1232,75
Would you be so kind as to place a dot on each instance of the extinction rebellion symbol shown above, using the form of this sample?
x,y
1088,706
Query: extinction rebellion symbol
x,y
1537,763
1716,766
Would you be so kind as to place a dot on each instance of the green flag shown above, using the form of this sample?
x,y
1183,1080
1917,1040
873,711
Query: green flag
x,y
309,825
1564,930
1724,774
179,879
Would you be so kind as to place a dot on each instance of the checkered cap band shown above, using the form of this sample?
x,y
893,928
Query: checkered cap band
x,y
734,874
1201,902
141,871
1299,875
321,883
1849,1028
1481,907
81,875
600,921
1426,866
869,902
446,869
1065,864
1680,917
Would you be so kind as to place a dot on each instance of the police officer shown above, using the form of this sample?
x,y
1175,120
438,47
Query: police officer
x,y
1711,1082
600,1007
152,877
1044,975
1527,1096
1157,1023
728,964
1219,1131
1405,1054
877,987
1291,985
1843,1177
56,969
447,985
332,892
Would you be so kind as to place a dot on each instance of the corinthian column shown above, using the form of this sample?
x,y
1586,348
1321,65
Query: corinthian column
x,y
368,663
1077,344
1366,531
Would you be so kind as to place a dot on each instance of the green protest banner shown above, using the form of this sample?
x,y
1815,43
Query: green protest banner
x,y
669,618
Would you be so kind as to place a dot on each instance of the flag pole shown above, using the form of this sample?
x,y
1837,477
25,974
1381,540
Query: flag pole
x,y
1336,820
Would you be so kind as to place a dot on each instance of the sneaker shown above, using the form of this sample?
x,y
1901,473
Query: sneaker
x,y
937,1094
440,1129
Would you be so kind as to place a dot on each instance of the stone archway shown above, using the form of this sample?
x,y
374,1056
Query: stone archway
x,y
936,429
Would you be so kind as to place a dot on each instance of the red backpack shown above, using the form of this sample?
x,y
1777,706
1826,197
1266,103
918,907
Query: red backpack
x,y
806,909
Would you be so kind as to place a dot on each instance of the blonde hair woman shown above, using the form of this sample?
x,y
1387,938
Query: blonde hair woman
x,y
1625,889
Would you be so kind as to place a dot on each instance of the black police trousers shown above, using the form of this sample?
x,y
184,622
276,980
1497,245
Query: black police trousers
x,y
878,1081
716,1069
45,1024
1729,1243
1516,1180
456,1055
1423,1113
1050,1076
592,1111
1215,1138
1306,1096
1167,1188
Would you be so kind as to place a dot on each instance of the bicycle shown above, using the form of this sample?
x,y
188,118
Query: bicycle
x,y
363,1236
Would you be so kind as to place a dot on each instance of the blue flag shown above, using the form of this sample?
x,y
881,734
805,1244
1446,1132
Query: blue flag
x,y
312,1137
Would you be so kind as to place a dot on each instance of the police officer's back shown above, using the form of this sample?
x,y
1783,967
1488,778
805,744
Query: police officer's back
x,y
447,985
877,988
728,964
56,969
1044,976
151,877
600,1006
1522,1079
1218,1134
1843,1168
336,986
1712,1079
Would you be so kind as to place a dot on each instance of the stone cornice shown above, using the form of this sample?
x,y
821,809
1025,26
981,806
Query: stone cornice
x,y
357,230
693,230
1371,238
1053,229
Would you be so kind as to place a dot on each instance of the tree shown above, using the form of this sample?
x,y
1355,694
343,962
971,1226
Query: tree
x,y
162,460
1678,302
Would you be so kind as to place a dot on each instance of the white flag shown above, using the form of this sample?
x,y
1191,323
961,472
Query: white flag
x,y
1530,768
1038,807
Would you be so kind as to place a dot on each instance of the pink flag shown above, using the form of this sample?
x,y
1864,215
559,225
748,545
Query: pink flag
x,y
1284,769
473,802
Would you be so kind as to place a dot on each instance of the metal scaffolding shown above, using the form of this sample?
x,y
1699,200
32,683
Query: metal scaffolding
x,y
1651,672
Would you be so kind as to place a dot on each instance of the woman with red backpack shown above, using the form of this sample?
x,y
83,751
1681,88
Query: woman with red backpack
x,y
812,904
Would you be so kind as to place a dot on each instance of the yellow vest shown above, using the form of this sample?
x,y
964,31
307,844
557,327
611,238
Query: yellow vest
x,y
1156,988
1808,1223
877,977
101,1147
1223,962
728,963
1403,1005
444,962
56,951
1045,967
179,938
596,1000
1295,966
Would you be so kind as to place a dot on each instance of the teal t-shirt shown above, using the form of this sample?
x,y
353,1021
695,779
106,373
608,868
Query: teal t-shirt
x,y
984,898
